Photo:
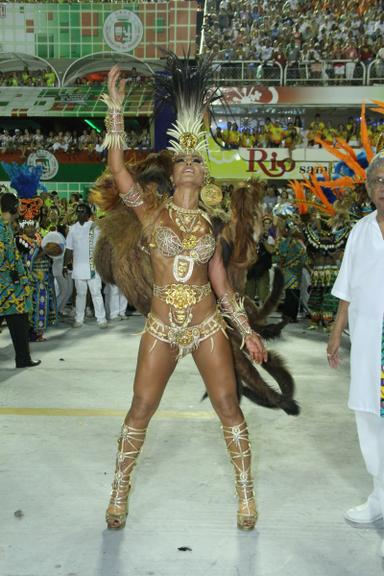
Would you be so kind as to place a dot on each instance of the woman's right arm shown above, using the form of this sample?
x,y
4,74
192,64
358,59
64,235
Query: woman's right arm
x,y
130,192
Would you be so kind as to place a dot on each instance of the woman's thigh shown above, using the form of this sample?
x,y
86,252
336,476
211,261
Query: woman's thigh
x,y
155,364
216,367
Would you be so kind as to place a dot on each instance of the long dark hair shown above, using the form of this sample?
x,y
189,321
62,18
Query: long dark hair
x,y
153,174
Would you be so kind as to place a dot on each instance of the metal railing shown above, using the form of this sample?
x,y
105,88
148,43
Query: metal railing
x,y
325,73
248,72
301,73
375,72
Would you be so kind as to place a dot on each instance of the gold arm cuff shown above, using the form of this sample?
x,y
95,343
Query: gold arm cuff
x,y
232,307
134,197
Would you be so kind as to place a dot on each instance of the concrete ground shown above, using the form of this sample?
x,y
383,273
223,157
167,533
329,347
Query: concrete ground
x,y
59,424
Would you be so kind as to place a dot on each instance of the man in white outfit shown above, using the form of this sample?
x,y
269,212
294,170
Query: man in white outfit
x,y
359,286
115,303
81,242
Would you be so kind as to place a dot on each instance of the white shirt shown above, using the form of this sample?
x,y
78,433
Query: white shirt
x,y
78,241
361,283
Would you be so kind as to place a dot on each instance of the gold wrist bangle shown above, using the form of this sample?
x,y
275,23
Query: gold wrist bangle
x,y
115,137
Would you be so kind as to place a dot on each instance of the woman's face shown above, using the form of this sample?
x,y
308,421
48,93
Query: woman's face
x,y
188,169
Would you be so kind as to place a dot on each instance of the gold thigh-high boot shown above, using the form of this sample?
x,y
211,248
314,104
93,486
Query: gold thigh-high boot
x,y
239,448
129,447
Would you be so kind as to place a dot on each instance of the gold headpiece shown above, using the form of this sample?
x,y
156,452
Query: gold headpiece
x,y
186,85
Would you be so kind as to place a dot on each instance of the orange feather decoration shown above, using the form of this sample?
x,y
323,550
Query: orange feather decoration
x,y
298,189
364,135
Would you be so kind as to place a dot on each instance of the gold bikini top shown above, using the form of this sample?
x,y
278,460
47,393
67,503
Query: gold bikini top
x,y
188,250
170,245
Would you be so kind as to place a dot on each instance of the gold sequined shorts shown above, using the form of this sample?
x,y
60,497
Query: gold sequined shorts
x,y
185,339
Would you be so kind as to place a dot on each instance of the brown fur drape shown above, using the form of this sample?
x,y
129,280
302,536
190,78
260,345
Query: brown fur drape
x,y
121,258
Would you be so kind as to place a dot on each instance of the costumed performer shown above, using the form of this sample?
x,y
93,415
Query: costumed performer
x,y
191,290
15,291
25,180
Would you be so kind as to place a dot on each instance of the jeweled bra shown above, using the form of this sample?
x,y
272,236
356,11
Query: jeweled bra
x,y
188,250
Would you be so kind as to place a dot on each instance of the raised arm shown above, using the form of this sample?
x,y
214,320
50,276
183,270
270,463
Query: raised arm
x,y
232,307
130,192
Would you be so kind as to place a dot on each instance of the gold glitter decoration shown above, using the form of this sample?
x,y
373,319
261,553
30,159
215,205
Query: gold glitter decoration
x,y
189,241
188,141
180,296
211,194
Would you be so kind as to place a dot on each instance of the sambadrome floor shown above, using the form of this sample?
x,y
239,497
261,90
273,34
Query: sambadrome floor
x,y
59,425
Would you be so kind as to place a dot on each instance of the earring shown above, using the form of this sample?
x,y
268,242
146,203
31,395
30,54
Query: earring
x,y
210,194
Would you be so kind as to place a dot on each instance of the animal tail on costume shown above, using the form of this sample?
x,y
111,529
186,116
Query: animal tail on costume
x,y
103,258
256,389
257,315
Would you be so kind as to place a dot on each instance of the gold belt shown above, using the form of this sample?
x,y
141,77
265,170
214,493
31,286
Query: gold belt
x,y
185,339
181,296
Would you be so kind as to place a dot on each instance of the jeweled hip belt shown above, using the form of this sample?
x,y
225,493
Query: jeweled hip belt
x,y
181,296
185,339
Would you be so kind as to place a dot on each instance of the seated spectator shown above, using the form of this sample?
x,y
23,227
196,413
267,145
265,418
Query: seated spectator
x,y
379,64
322,30
27,77
60,142
275,134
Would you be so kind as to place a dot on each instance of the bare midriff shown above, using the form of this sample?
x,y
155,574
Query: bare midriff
x,y
163,273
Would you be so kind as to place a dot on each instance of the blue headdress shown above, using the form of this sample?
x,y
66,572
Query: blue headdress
x,y
25,179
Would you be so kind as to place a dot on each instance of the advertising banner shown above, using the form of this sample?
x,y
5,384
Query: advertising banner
x,y
267,163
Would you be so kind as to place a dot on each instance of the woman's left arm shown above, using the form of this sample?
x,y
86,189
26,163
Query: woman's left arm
x,y
231,306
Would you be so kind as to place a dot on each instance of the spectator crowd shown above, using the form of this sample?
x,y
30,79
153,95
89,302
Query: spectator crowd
x,y
26,77
133,77
273,133
290,32
70,142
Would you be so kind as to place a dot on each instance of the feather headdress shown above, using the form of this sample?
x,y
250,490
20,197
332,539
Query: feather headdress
x,y
25,179
186,85
349,172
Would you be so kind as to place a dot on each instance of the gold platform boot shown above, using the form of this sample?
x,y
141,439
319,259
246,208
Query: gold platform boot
x,y
239,448
129,447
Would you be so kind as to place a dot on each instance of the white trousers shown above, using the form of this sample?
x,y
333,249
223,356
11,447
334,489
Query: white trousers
x,y
370,429
94,285
63,289
115,301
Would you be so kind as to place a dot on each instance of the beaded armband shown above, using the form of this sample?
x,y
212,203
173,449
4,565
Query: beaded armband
x,y
114,123
134,197
232,307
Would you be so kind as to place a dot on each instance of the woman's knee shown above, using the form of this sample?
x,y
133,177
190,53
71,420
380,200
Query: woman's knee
x,y
227,408
142,409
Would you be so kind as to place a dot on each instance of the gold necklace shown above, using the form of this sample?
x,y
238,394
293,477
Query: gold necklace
x,y
186,219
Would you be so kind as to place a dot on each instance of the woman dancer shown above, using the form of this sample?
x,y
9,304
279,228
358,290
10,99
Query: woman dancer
x,y
191,293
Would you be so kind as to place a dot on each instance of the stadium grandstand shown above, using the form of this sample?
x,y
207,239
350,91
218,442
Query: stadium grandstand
x,y
291,71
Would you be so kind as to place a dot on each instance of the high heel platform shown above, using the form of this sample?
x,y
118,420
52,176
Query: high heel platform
x,y
239,449
129,447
